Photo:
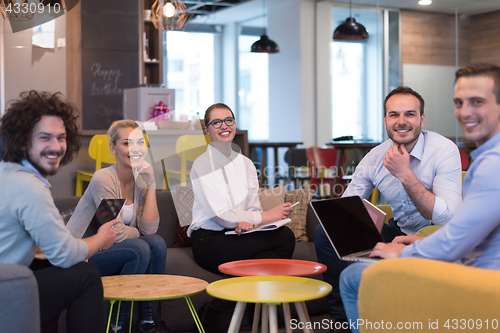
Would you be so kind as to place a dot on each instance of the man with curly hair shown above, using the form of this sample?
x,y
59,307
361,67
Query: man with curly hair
x,y
39,133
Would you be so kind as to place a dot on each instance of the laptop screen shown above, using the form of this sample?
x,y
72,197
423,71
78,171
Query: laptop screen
x,y
347,223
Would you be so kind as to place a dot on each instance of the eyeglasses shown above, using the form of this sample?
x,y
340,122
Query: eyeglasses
x,y
217,123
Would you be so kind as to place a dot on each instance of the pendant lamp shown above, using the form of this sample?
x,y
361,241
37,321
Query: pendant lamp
x,y
264,44
350,29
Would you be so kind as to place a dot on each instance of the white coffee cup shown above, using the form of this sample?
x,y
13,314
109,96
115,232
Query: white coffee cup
x,y
146,14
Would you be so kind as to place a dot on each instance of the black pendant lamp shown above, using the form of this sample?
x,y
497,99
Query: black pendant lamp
x,y
264,44
350,29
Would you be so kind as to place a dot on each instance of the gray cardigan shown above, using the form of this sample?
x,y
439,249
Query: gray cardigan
x,y
105,184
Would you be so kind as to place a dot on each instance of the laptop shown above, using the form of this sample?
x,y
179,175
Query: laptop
x,y
348,226
377,215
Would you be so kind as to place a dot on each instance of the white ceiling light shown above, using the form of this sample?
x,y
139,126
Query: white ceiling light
x,y
425,2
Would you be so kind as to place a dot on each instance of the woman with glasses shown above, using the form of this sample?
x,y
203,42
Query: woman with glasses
x,y
225,188
138,249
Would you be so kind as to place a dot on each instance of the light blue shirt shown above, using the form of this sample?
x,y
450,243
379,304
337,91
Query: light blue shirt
x,y
473,234
28,165
28,216
435,161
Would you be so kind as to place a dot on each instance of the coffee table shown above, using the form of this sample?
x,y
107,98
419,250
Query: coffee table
x,y
267,267
287,267
151,287
270,291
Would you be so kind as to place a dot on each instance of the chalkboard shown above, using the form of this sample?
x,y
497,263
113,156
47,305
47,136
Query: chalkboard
x,y
110,59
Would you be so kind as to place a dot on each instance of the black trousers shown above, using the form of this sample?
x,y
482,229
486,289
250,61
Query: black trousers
x,y
212,248
77,289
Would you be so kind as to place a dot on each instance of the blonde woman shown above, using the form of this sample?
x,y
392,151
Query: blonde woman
x,y
138,249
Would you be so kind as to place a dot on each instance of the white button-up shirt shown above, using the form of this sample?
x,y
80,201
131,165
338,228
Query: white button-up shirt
x,y
225,191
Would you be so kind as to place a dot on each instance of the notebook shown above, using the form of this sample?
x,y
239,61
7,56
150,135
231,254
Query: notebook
x,y
348,226
263,227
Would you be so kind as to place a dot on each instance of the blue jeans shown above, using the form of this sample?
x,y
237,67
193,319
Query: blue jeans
x,y
143,255
349,287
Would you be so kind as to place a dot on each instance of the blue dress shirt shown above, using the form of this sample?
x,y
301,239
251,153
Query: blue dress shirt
x,y
474,231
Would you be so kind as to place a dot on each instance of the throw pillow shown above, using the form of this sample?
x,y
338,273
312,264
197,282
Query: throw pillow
x,y
181,237
184,207
271,197
299,212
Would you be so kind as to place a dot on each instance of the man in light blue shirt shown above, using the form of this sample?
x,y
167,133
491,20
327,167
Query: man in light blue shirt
x,y
473,234
40,133
418,172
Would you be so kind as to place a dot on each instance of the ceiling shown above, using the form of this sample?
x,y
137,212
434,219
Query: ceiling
x,y
250,12
468,7
206,7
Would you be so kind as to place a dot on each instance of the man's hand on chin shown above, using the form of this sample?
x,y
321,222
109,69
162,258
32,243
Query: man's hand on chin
x,y
397,161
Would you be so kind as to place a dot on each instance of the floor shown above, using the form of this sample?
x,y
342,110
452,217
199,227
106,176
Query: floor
x,y
320,325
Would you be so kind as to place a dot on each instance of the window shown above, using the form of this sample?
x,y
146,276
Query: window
x,y
253,93
190,71
357,79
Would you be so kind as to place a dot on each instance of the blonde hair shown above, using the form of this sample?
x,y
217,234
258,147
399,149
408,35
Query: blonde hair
x,y
118,124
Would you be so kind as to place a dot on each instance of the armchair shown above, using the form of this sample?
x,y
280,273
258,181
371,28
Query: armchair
x,y
429,292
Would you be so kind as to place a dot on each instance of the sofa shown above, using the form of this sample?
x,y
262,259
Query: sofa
x,y
20,311
180,261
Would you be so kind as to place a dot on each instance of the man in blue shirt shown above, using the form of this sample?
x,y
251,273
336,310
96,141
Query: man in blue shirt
x,y
418,172
473,234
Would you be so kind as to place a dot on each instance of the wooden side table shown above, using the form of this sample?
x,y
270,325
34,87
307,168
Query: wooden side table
x,y
151,287
270,291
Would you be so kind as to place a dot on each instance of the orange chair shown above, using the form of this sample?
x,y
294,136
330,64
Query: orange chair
x,y
320,160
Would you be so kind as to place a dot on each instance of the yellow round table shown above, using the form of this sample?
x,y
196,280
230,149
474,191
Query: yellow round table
x,y
151,287
270,291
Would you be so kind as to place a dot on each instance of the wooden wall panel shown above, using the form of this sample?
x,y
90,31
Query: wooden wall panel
x,y
485,38
429,38
74,58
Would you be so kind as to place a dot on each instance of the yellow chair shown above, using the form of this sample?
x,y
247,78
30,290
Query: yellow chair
x,y
374,196
188,147
428,295
424,232
100,152
388,212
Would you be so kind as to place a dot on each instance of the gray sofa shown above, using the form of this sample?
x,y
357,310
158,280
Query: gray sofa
x,y
180,261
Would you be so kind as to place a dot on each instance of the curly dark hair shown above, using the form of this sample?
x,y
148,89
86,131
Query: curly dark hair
x,y
402,90
16,126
